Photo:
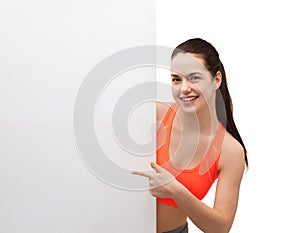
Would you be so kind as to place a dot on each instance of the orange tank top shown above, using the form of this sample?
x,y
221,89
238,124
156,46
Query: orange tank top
x,y
199,179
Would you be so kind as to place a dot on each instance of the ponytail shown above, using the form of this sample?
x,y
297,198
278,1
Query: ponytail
x,y
224,110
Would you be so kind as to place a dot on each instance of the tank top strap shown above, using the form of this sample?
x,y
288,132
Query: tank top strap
x,y
218,140
164,129
213,154
167,120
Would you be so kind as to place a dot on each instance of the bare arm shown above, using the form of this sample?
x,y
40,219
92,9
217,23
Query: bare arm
x,y
218,219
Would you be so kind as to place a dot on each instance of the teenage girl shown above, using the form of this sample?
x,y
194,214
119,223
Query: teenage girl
x,y
197,143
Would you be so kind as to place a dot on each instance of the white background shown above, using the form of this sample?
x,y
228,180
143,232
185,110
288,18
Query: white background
x,y
258,42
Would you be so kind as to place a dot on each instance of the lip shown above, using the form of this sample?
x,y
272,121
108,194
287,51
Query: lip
x,y
183,99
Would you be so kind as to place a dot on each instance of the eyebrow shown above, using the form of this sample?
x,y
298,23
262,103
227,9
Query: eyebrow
x,y
175,75
189,75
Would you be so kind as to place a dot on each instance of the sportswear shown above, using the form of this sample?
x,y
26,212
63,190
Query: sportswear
x,y
199,179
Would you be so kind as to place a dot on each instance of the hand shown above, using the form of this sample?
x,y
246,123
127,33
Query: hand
x,y
161,183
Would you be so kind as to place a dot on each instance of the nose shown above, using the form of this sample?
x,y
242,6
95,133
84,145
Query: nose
x,y
186,87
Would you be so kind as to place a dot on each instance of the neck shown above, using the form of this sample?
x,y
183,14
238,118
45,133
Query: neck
x,y
205,120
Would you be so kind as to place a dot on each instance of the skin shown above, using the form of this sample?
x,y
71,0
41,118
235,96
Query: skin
x,y
191,78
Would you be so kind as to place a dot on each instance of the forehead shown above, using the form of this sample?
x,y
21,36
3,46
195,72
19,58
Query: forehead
x,y
186,63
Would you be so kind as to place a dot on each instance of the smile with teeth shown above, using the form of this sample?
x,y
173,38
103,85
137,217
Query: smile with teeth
x,y
188,99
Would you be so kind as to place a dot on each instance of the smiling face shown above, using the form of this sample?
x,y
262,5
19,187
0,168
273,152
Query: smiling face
x,y
193,86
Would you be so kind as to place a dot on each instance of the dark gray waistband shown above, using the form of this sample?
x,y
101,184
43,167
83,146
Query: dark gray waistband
x,y
182,229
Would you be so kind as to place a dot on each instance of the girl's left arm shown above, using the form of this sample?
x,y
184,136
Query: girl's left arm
x,y
218,219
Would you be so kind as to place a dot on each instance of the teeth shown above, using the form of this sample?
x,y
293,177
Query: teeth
x,y
187,99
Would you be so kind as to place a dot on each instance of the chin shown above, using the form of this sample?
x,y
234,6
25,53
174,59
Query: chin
x,y
189,109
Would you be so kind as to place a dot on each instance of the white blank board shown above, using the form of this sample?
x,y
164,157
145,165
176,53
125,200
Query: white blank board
x,y
47,51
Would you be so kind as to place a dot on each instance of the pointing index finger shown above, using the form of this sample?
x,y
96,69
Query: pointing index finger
x,y
142,173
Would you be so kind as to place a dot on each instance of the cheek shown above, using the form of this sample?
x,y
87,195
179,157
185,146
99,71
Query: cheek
x,y
205,89
175,90
201,88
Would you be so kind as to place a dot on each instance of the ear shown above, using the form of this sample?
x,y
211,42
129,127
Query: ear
x,y
218,80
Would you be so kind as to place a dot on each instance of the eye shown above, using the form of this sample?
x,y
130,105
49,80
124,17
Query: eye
x,y
195,78
176,79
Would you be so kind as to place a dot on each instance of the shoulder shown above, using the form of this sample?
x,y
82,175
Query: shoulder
x,y
161,109
232,159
